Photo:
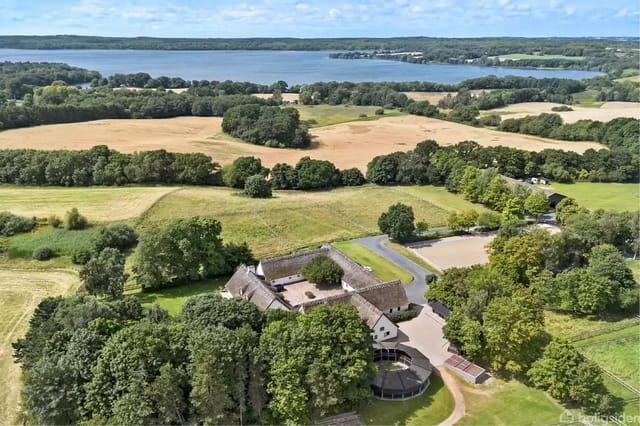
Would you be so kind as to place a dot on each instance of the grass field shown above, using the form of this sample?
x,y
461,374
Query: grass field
x,y
518,56
173,298
381,267
617,352
595,195
328,115
61,241
587,99
630,74
430,408
292,220
568,326
20,293
634,265
98,204
507,403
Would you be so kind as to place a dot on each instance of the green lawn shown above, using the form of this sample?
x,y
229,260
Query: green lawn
x,y
630,74
382,268
294,220
173,298
507,403
517,56
634,265
587,99
61,241
620,357
595,195
328,115
430,408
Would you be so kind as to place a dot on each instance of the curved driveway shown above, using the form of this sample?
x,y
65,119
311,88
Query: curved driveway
x,y
416,288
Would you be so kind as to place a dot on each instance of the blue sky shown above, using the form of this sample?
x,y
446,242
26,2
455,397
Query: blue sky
x,y
316,18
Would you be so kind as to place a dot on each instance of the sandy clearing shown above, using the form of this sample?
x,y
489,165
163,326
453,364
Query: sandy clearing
x,y
347,145
608,111
285,96
20,293
452,252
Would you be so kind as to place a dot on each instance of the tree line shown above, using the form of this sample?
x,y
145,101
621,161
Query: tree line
x,y
220,361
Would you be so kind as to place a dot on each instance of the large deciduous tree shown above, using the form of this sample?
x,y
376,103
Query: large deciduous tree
x,y
181,251
536,204
398,222
322,270
104,274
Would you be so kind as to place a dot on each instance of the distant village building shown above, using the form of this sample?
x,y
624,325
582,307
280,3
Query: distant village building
x,y
278,284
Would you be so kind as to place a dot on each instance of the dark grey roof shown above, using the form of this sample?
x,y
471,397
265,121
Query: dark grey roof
x,y
440,308
532,187
365,309
245,284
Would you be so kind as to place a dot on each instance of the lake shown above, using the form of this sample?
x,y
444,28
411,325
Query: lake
x,y
265,67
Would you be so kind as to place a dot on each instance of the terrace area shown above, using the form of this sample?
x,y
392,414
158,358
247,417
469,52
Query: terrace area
x,y
297,294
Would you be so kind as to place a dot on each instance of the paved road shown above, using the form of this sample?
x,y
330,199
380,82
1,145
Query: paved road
x,y
416,288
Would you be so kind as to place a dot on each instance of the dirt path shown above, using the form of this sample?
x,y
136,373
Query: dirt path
x,y
459,407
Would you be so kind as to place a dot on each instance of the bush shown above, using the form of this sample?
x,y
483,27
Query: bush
x,y
322,270
116,235
54,221
561,108
256,186
403,316
489,220
492,120
379,111
363,116
309,294
81,256
353,177
73,220
42,253
11,224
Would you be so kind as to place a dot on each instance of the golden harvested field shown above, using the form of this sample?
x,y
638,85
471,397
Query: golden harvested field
x,y
285,96
608,111
347,145
98,204
435,97
20,293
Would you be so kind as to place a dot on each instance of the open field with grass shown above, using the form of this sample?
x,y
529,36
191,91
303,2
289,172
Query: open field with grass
x,y
347,145
293,220
173,298
327,115
606,112
634,265
430,408
587,99
519,56
380,266
98,204
597,195
20,293
568,326
61,241
435,97
507,403
617,352
629,74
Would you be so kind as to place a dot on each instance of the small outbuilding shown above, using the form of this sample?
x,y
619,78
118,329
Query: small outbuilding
x,y
440,309
466,369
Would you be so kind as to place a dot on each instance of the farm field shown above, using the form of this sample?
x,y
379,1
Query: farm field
x,y
173,298
507,403
435,97
327,115
20,293
452,252
61,241
98,204
346,145
380,266
569,326
430,408
293,220
597,195
606,112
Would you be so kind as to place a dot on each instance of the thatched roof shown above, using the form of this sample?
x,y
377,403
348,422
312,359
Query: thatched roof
x,y
245,284
365,309
386,295
354,275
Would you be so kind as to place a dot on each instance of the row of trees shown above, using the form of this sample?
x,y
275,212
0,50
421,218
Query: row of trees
x,y
219,362
20,78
